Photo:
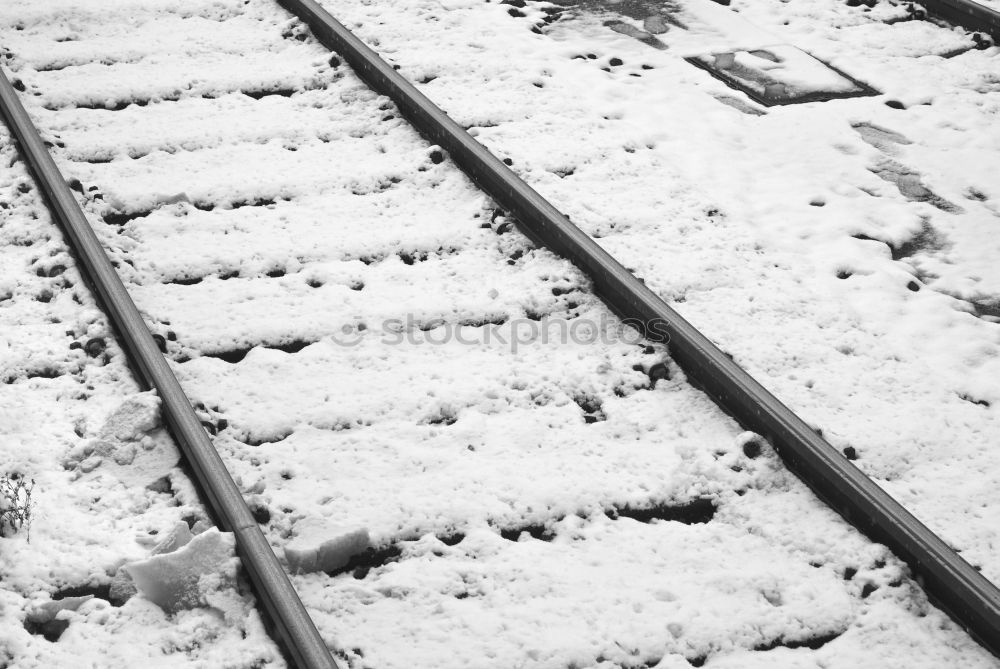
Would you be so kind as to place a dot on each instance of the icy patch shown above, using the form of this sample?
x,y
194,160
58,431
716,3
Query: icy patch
x,y
186,577
320,546
175,539
130,444
135,416
48,611
123,588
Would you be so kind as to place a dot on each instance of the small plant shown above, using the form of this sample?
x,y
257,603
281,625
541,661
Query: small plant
x,y
15,504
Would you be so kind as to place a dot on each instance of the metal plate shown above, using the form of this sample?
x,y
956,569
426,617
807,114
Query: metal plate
x,y
781,75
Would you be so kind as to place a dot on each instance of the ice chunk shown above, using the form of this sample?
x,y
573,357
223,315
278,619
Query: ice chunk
x,y
175,198
180,535
133,424
121,588
136,416
179,580
47,611
90,464
319,546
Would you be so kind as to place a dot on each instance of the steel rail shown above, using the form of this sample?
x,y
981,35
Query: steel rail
x,y
956,586
968,14
223,498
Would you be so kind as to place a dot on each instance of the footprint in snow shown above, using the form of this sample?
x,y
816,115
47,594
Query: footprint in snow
x,y
883,139
910,186
655,18
632,31
906,180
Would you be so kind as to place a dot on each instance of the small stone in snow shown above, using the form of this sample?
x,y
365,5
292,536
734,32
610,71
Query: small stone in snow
x,y
322,547
94,347
260,513
659,371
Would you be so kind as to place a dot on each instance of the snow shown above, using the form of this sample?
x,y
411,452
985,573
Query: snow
x,y
738,243
58,405
319,546
176,538
50,610
131,444
175,580
345,312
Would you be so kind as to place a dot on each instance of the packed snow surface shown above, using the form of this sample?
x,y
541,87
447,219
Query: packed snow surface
x,y
842,252
107,486
376,349
318,546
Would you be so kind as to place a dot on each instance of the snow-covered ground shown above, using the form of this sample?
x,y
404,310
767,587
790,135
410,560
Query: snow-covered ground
x,y
107,482
843,252
537,502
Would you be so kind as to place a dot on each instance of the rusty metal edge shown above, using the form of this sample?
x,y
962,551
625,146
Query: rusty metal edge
x,y
223,498
971,599
969,15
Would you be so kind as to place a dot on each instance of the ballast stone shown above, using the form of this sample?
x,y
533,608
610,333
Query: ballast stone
x,y
319,546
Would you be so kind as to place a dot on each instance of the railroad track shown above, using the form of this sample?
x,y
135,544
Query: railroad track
x,y
339,215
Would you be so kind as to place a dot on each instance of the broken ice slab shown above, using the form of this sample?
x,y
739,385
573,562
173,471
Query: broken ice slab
x,y
177,580
178,537
781,75
319,546
47,611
